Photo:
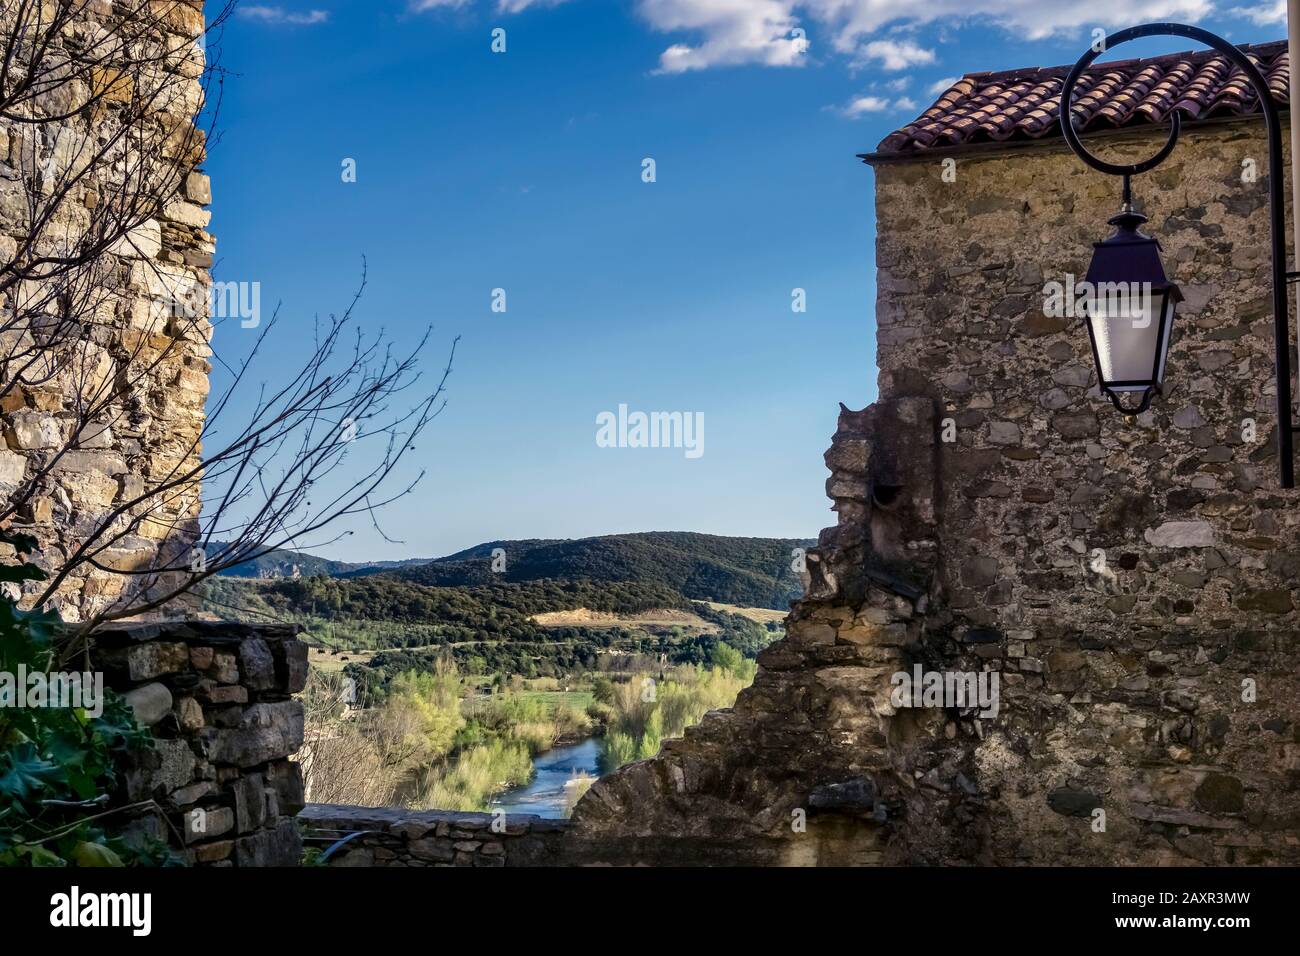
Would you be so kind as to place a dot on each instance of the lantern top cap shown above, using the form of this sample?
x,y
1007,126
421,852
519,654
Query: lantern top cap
x,y
1130,256
1128,226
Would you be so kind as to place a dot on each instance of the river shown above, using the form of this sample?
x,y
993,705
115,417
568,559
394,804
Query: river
x,y
544,795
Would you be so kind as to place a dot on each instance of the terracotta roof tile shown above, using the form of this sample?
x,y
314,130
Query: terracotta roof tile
x,y
1024,104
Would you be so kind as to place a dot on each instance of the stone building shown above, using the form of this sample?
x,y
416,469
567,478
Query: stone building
x,y
114,403
1121,591
103,380
1131,581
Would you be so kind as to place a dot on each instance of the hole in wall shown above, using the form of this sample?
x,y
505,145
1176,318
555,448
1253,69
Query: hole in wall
x,y
885,496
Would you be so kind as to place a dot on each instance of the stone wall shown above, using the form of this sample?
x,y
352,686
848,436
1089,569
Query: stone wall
x,y
137,351
393,836
390,836
217,697
1131,581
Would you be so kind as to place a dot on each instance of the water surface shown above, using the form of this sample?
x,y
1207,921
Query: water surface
x,y
545,794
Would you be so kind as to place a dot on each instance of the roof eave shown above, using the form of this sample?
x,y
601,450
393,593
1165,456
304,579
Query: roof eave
x,y
995,146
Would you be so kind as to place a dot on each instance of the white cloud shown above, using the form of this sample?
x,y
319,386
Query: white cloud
x,y
1264,14
854,20
896,55
860,106
519,6
940,87
865,104
732,32
281,15
899,84
502,6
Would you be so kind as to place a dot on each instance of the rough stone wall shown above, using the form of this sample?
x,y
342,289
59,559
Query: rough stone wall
x,y
395,837
217,698
146,319
1123,577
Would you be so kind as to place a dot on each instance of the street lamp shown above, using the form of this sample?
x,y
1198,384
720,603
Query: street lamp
x,y
1128,303
1131,318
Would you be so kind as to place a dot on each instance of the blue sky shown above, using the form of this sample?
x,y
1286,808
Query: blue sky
x,y
523,171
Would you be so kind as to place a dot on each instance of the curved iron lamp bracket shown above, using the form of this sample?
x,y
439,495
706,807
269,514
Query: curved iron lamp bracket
x,y
1277,214
1138,409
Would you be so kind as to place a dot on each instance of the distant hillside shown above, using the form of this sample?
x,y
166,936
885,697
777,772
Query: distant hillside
x,y
288,564
752,572
558,608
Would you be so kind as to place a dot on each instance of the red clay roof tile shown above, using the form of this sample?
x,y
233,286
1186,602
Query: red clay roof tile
x,y
1025,104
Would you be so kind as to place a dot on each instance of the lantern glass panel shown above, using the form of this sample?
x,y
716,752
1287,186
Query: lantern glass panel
x,y
1168,303
1130,337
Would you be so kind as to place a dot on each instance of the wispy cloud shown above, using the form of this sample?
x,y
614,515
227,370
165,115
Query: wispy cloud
x,y
519,6
895,54
861,105
279,15
733,32
1263,14
502,6
939,87
868,103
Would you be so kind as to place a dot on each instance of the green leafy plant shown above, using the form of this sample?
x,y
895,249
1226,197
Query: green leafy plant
x,y
59,766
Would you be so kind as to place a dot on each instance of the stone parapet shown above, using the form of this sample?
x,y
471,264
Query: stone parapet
x,y
218,699
391,836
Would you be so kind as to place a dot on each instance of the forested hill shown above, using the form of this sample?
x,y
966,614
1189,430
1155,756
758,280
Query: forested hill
x,y
753,572
283,563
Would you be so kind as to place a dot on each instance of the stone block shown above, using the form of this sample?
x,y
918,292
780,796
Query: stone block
x,y
189,714
256,666
432,849
225,668
177,764
212,852
265,731
280,845
212,693
285,778
1181,534
193,793
250,802
147,661
13,468
204,823
150,703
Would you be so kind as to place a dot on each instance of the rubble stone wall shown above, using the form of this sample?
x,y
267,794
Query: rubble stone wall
x,y
394,836
141,314
390,836
1132,582
217,697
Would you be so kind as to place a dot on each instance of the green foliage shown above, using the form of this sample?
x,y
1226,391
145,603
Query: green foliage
x,y
652,736
470,779
620,749
425,709
499,609
59,766
639,722
726,657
